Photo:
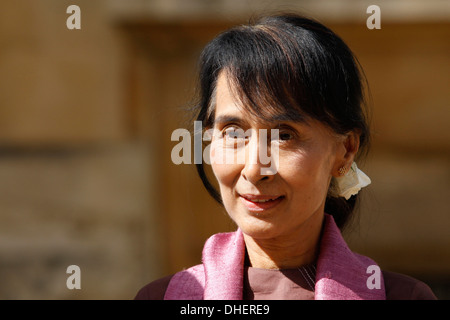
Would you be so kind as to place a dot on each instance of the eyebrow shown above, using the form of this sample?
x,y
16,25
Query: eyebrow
x,y
286,116
280,117
227,119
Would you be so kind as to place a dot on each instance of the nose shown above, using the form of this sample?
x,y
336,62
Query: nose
x,y
258,164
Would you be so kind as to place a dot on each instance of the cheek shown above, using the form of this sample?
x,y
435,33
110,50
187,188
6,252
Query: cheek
x,y
306,172
225,171
226,176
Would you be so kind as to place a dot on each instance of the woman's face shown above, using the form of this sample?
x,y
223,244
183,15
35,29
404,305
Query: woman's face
x,y
266,206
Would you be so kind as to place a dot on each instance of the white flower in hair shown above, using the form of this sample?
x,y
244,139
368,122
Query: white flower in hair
x,y
350,184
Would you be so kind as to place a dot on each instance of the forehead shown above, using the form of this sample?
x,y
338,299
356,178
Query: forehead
x,y
225,99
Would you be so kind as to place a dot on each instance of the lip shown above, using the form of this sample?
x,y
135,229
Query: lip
x,y
251,202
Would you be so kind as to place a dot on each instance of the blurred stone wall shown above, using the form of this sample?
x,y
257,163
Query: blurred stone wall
x,y
83,206
75,186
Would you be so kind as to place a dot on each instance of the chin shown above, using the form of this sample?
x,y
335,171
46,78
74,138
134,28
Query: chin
x,y
257,228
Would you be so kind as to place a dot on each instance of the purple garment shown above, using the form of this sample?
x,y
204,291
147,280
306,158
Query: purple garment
x,y
341,274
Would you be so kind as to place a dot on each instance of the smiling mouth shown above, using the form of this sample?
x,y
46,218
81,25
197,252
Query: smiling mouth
x,y
260,202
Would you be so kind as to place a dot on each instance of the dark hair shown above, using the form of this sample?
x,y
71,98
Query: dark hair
x,y
290,64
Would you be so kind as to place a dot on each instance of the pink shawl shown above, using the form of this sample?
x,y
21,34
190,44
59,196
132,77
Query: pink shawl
x,y
341,274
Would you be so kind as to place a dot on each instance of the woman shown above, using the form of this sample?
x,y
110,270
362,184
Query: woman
x,y
296,79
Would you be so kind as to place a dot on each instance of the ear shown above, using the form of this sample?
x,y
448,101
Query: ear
x,y
347,149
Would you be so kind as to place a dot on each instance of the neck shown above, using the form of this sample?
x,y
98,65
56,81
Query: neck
x,y
296,249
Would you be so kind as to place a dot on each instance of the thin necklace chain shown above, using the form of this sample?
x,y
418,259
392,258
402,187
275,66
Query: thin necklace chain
x,y
310,275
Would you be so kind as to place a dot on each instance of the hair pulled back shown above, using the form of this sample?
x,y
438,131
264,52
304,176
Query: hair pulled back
x,y
290,64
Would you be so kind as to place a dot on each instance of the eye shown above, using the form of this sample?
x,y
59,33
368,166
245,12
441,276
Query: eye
x,y
286,133
233,133
285,136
